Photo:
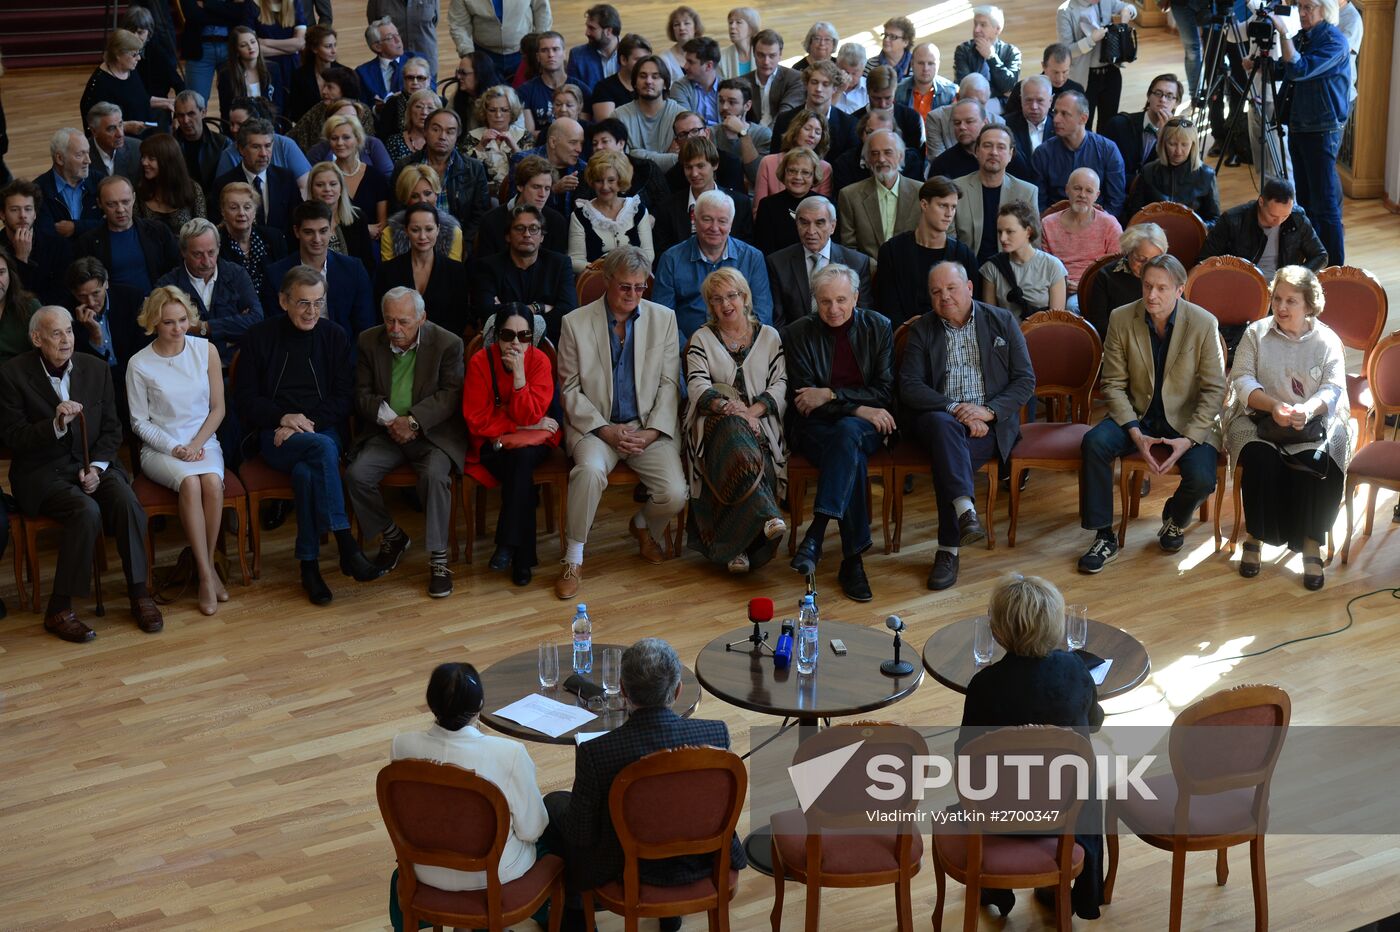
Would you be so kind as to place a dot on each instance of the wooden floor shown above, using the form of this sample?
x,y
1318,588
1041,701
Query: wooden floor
x,y
220,775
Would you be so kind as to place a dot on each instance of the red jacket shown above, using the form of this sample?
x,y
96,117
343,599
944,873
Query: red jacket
x,y
518,409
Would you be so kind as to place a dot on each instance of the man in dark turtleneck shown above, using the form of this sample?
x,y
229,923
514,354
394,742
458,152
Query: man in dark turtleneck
x,y
295,389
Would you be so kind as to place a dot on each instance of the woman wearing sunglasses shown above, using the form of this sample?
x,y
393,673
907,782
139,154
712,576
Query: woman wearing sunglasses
x,y
506,401
1177,174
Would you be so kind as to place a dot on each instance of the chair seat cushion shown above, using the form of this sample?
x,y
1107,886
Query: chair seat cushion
x,y
257,476
1007,854
150,493
653,895
841,854
1379,459
514,895
1225,813
1050,442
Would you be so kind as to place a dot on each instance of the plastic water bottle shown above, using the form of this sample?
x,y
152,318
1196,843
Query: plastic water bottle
x,y
808,641
583,641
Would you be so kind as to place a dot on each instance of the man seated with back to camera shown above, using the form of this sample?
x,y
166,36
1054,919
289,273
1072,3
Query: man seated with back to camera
x,y
580,825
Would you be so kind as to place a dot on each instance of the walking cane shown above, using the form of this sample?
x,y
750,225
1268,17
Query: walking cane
x,y
97,554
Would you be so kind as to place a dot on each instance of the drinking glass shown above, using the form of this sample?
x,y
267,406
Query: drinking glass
x,y
549,665
1076,625
612,677
982,642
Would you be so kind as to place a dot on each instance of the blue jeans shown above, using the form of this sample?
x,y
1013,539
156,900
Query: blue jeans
x,y
199,75
314,463
841,449
1319,188
955,456
1190,41
1105,443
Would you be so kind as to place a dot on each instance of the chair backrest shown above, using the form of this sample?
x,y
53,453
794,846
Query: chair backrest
x,y
1241,757
1066,354
1356,307
1055,208
901,339
675,802
844,802
476,344
1059,786
591,284
1383,376
444,816
1229,287
1186,232
1091,274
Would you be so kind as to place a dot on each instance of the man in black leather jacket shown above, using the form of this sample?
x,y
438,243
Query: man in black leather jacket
x,y
840,364
1244,231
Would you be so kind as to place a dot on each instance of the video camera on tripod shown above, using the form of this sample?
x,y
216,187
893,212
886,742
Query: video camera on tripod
x,y
1260,29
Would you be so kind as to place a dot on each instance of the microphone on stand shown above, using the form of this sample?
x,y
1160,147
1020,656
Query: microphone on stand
x,y
896,667
760,611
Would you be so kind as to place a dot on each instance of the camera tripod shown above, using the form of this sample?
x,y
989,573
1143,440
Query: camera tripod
x,y
1218,79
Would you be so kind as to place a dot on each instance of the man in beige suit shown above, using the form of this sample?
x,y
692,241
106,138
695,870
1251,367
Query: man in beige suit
x,y
1164,379
994,150
886,203
475,24
620,369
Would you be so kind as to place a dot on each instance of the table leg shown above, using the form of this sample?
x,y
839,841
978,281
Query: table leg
x,y
759,845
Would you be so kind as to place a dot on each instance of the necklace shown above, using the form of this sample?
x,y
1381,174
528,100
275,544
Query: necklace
x,y
359,167
735,344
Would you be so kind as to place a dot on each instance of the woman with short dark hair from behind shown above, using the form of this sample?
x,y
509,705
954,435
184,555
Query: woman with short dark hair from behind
x,y
456,698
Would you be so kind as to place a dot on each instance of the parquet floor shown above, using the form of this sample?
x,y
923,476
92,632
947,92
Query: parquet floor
x,y
221,775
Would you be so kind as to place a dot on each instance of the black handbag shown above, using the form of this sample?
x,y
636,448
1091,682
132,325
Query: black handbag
x,y
1120,45
1270,431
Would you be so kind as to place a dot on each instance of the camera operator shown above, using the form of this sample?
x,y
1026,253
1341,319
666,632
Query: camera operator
x,y
1317,83
1273,162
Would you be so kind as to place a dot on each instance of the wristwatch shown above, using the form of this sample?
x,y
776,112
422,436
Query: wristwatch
x,y
745,132
414,425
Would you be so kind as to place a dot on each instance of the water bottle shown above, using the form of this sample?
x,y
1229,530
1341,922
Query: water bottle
x,y
808,642
583,641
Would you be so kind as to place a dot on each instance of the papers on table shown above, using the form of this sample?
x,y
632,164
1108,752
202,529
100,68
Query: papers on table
x,y
1101,671
545,715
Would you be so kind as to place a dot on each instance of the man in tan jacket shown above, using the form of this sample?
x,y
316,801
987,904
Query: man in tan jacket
x,y
1164,379
476,24
620,368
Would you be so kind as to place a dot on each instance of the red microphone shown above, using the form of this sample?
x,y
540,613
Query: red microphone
x,y
760,610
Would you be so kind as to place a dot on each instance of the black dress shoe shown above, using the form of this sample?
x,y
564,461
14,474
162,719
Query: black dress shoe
x,y
311,580
853,581
500,560
944,574
670,924
1003,900
520,574
970,530
358,566
391,551
273,514
809,554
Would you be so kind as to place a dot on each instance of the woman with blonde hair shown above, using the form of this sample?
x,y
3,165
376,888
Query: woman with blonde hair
x,y
1038,682
682,25
367,188
736,381
809,130
775,221
116,81
420,184
349,232
1289,427
419,105
175,392
242,240
736,59
498,135
1177,174
611,219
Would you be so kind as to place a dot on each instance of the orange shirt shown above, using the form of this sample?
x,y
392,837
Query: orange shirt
x,y
923,102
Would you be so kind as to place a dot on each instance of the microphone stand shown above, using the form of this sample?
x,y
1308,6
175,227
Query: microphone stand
x,y
896,667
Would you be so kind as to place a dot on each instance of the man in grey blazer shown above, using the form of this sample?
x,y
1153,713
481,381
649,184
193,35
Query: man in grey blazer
x,y
113,151
776,88
886,203
982,193
419,423
790,269
222,291
621,390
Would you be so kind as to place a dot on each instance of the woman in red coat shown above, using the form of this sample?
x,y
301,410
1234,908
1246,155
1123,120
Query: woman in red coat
x,y
505,401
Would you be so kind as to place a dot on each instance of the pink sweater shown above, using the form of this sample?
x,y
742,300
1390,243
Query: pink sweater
x,y
1080,249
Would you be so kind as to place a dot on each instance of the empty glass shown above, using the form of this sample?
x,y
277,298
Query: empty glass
x,y
1076,625
612,677
549,665
982,642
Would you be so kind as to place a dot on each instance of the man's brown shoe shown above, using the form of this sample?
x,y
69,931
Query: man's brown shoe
x,y
66,625
566,586
147,615
646,544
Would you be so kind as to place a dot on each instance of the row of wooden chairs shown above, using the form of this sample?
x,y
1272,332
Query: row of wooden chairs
x,y
444,816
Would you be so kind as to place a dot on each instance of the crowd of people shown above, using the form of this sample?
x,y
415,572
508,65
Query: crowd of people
x,y
298,280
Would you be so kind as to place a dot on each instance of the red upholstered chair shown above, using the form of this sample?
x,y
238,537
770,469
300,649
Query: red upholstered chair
x,y
1357,308
991,860
1217,794
1055,208
1229,287
910,459
683,801
1186,233
591,284
440,815
1088,279
27,531
876,855
1377,463
1066,354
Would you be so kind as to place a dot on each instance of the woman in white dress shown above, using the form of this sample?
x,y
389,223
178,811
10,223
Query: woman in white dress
x,y
175,389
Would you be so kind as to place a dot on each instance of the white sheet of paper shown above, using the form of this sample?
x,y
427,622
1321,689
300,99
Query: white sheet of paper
x,y
582,736
1101,671
545,715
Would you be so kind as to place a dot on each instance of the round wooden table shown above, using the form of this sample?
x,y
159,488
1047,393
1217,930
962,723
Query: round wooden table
x,y
517,676
948,656
842,685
